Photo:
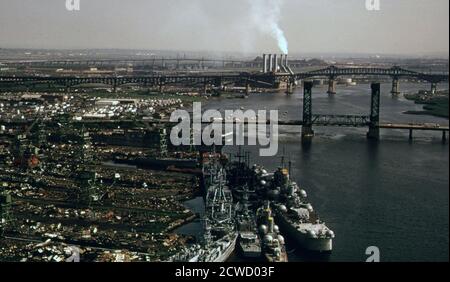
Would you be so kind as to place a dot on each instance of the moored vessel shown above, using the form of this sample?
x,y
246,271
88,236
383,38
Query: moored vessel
x,y
272,243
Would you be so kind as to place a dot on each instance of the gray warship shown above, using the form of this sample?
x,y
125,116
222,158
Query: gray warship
x,y
209,249
273,244
249,244
219,234
295,216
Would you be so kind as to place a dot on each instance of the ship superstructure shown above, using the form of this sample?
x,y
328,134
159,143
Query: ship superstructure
x,y
273,243
294,214
249,243
219,229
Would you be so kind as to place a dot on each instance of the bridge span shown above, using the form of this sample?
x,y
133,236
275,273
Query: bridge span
x,y
372,121
318,120
220,79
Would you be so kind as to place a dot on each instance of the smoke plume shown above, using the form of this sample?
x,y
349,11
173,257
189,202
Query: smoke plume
x,y
265,15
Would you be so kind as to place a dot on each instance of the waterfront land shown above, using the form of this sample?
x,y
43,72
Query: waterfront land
x,y
435,105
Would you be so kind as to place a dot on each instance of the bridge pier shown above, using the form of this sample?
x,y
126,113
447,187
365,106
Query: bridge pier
x,y
290,86
395,86
218,84
374,133
114,87
433,88
410,135
444,136
307,130
205,88
374,130
331,86
289,89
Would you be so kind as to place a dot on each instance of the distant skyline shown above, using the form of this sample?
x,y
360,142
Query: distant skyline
x,y
401,27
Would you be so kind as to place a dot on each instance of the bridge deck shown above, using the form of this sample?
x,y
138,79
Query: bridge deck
x,y
429,127
172,78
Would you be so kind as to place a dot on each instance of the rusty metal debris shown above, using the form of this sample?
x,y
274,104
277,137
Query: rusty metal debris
x,y
63,189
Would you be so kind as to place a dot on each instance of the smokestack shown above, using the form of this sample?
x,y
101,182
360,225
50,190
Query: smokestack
x,y
286,62
264,63
275,63
270,63
283,67
280,63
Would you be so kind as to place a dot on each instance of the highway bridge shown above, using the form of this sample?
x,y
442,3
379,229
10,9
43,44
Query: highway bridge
x,y
220,79
162,62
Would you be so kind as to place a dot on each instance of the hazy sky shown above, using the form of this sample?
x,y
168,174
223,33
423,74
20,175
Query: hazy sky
x,y
319,26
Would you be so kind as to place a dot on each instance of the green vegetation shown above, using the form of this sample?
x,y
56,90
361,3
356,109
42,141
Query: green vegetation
x,y
435,105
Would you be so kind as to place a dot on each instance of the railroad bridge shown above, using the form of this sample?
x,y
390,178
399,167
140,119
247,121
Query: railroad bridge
x,y
372,121
162,62
395,73
309,119
221,79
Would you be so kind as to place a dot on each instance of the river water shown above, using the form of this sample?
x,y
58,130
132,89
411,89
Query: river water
x,y
393,194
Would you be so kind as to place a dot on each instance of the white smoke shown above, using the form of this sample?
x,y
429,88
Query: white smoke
x,y
265,15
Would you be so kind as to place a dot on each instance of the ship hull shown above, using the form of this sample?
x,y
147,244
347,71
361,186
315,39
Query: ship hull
x,y
321,245
271,259
227,252
248,253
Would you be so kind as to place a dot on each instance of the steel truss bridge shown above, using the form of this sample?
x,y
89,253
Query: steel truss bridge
x,y
220,79
121,62
372,121
146,81
341,120
395,72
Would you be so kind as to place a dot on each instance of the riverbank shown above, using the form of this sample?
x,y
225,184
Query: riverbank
x,y
434,104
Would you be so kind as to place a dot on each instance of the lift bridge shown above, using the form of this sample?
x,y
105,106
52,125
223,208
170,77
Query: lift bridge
x,y
372,121
341,120
310,119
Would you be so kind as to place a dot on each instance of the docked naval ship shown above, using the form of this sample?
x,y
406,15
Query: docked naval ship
x,y
218,249
220,230
210,249
219,205
212,169
249,244
295,216
219,210
273,244
219,234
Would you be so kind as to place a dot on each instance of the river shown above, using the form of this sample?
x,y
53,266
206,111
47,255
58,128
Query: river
x,y
393,194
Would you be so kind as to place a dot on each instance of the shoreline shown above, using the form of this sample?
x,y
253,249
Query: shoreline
x,y
436,105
